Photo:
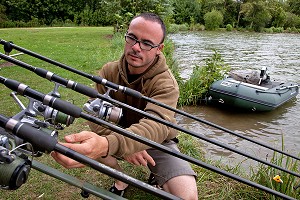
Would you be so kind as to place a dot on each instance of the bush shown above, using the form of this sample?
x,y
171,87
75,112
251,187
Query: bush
x,y
196,87
197,27
213,20
34,22
229,27
174,28
20,24
278,29
8,24
57,23
268,30
69,22
295,30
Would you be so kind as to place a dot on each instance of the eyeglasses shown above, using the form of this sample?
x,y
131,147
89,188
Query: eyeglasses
x,y
143,44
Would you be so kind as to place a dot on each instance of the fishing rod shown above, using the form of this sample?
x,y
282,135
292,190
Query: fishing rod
x,y
25,131
47,143
93,93
15,166
86,187
136,94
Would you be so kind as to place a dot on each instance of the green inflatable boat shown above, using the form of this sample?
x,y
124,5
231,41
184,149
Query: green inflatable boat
x,y
258,95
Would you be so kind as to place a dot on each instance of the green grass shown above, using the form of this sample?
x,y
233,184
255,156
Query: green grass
x,y
87,49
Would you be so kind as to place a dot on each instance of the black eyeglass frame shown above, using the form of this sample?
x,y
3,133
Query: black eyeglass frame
x,y
140,41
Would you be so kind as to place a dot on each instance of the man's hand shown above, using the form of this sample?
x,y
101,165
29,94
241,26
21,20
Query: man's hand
x,y
87,143
140,158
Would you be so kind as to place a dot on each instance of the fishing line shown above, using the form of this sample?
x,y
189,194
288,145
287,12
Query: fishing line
x,y
138,95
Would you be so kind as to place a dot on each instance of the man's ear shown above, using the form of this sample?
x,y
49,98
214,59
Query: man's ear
x,y
160,48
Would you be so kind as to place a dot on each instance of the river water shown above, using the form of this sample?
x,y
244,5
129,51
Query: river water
x,y
280,53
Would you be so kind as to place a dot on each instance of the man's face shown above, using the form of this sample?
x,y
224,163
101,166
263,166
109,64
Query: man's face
x,y
147,31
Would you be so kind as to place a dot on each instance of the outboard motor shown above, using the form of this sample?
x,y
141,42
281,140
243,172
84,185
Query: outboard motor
x,y
263,75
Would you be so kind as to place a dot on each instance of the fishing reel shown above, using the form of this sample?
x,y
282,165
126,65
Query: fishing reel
x,y
14,166
103,109
51,122
51,115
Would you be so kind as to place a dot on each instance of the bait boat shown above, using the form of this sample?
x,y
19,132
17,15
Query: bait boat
x,y
252,94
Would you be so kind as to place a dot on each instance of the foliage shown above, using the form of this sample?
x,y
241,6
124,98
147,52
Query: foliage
x,y
213,20
196,87
294,6
178,27
292,20
185,11
197,27
2,13
279,17
256,14
229,27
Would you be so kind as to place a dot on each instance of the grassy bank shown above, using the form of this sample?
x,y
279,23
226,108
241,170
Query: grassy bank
x,y
87,49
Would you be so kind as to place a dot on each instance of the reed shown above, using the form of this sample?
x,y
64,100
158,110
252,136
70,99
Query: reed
x,y
264,175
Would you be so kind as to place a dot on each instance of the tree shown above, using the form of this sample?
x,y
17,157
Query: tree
x,y
256,14
2,14
187,11
231,11
279,17
130,8
17,10
294,6
292,20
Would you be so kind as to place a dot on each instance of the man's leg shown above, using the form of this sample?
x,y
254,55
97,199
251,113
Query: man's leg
x,y
183,186
174,174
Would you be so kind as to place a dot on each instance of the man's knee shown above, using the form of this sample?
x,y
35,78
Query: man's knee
x,y
183,186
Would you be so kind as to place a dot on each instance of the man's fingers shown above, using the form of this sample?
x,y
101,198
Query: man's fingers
x,y
149,158
76,147
65,161
140,158
78,137
143,162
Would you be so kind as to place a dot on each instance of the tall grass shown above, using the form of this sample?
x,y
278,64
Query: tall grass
x,y
265,174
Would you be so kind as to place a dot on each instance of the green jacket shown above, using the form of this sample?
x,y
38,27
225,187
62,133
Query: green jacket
x,y
158,83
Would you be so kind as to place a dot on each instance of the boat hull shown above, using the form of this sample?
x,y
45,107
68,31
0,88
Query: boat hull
x,y
232,93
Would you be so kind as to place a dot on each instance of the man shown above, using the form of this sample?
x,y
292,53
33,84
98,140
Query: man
x,y
143,68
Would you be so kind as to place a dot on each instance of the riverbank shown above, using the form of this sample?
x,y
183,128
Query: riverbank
x,y
87,49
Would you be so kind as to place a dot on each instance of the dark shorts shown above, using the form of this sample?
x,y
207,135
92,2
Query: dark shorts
x,y
168,166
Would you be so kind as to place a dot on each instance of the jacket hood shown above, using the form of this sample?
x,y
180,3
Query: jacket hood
x,y
159,66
